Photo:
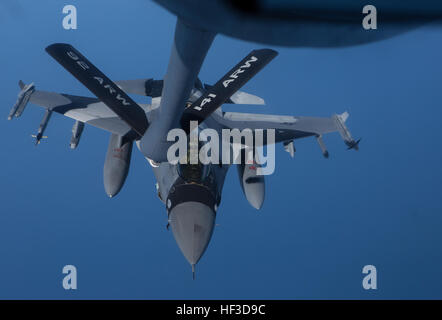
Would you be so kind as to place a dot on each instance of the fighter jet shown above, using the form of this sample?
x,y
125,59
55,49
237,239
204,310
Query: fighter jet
x,y
192,193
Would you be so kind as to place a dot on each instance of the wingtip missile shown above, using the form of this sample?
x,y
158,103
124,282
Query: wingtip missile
x,y
22,100
353,144
344,132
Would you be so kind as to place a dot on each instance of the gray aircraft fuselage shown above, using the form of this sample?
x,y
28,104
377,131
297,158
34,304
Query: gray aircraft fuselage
x,y
192,195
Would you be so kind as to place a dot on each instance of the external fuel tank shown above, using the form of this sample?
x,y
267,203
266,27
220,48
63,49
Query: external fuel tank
x,y
253,185
116,165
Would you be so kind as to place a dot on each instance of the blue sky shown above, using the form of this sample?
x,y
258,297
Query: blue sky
x,y
322,220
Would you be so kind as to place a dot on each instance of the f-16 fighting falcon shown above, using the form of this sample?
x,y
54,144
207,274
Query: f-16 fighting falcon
x,y
192,192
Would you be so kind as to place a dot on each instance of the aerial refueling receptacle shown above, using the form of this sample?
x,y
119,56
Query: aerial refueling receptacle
x,y
116,165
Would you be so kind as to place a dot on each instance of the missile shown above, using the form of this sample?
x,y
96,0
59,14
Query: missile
x,y
14,109
42,128
77,130
22,100
352,144
322,146
344,132
116,165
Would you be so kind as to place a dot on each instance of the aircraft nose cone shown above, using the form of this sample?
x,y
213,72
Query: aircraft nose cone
x,y
192,225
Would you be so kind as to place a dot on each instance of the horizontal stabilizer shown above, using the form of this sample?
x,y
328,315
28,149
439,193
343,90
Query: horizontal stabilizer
x,y
100,85
241,97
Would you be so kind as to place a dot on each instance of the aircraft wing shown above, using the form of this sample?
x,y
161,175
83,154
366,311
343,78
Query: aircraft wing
x,y
87,110
286,127
289,128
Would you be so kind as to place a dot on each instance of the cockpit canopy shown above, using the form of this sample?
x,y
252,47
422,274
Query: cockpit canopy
x,y
195,173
